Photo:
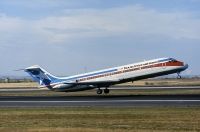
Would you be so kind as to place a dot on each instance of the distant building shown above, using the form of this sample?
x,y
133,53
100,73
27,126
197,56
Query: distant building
x,y
7,80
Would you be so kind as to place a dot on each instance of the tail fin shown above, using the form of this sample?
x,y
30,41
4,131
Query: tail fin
x,y
40,75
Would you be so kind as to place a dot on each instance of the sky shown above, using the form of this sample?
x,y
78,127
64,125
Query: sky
x,y
69,37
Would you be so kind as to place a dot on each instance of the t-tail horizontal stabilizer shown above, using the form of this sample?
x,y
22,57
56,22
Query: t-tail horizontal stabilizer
x,y
40,75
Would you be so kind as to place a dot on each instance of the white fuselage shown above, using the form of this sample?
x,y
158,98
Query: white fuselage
x,y
121,74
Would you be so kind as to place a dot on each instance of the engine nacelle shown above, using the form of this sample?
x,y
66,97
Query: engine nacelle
x,y
62,86
71,87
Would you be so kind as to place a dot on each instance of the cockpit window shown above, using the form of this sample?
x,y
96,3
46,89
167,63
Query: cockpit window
x,y
172,60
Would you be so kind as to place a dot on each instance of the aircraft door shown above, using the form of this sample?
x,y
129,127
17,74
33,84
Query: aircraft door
x,y
164,65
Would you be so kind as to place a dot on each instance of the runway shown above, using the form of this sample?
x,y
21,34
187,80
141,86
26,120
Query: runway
x,y
66,100
106,101
112,88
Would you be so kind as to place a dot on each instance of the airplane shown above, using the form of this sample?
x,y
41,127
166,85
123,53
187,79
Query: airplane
x,y
107,77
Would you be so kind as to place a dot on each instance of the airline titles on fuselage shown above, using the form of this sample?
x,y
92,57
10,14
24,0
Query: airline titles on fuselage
x,y
125,69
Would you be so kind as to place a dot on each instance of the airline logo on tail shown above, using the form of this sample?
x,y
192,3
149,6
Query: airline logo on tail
x,y
40,75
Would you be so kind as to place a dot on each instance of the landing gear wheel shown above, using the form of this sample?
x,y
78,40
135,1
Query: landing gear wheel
x,y
99,91
106,91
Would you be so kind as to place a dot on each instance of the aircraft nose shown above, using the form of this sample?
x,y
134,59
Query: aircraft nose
x,y
186,66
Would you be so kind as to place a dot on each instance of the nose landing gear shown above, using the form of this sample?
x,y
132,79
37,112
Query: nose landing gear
x,y
178,75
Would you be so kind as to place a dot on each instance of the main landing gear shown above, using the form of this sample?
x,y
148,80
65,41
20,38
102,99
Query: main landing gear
x,y
106,91
100,91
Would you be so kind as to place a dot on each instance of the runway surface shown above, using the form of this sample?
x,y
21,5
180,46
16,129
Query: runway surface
x,y
112,88
98,100
112,101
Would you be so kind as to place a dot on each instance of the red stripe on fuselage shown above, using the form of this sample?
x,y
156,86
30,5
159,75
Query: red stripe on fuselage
x,y
177,63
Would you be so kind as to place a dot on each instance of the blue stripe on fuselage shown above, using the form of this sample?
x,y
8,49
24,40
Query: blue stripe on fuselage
x,y
83,76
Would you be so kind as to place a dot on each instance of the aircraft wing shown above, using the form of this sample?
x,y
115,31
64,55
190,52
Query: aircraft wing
x,y
95,83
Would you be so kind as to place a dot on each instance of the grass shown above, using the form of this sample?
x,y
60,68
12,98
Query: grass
x,y
165,82
19,85
166,119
